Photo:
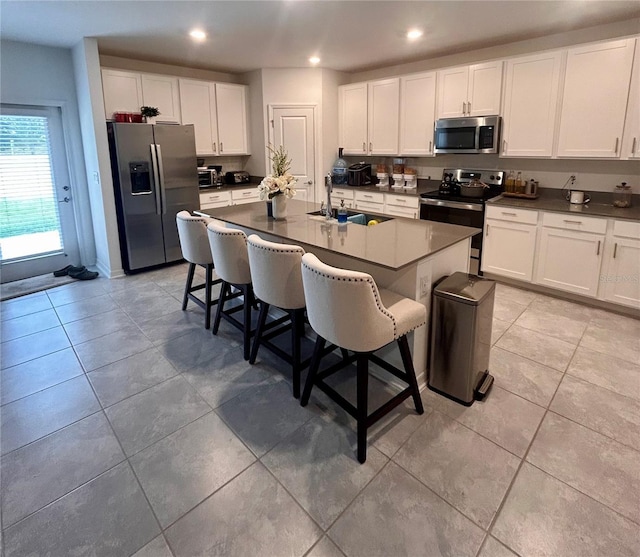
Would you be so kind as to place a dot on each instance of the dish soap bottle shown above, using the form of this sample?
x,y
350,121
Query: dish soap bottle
x,y
339,173
342,213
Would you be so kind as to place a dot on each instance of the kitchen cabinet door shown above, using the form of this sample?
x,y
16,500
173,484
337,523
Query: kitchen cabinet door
x,y
245,195
383,116
213,200
596,88
631,139
621,284
122,92
452,92
570,260
231,107
161,91
352,114
198,104
508,249
484,89
530,105
417,114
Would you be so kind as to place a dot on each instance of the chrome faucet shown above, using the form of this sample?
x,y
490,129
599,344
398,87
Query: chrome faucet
x,y
328,183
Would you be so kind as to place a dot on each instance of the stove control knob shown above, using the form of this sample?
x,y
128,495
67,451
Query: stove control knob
x,y
492,177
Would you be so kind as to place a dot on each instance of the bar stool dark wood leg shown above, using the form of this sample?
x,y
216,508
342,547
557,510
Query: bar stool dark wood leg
x,y
246,331
313,370
224,287
295,346
187,288
207,295
362,405
405,352
262,319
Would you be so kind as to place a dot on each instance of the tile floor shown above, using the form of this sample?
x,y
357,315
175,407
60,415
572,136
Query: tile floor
x,y
127,429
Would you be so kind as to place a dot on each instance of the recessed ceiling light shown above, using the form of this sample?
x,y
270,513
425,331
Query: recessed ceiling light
x,y
314,60
414,34
198,35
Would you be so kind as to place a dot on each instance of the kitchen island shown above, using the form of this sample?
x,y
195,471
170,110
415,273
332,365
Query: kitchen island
x,y
406,256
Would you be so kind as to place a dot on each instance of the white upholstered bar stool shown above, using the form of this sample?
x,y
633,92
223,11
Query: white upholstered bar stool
x,y
347,309
192,232
229,251
277,281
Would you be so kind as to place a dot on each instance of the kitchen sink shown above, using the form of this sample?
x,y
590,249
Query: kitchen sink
x,y
353,217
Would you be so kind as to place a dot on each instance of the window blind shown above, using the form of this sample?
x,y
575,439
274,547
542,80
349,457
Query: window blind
x,y
29,217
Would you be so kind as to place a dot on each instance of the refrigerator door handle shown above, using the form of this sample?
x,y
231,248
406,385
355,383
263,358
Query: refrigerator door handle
x,y
161,179
156,179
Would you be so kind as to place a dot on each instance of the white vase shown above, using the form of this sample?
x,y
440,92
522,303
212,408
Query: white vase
x,y
279,204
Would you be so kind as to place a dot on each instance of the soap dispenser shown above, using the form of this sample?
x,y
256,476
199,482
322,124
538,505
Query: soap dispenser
x,y
342,213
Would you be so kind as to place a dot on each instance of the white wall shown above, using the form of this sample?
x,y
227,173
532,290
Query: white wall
x,y
96,153
44,76
256,164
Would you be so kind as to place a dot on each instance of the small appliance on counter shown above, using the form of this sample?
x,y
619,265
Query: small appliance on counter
x,y
237,177
622,195
209,176
359,174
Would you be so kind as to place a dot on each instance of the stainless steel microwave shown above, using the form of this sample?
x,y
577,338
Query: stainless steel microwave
x,y
467,135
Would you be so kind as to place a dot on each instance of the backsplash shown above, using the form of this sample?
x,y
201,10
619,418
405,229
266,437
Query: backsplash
x,y
591,175
229,164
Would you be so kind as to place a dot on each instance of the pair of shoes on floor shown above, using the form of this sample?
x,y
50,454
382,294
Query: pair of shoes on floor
x,y
80,273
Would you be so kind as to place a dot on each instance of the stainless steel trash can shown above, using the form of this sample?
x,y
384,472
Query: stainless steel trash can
x,y
462,316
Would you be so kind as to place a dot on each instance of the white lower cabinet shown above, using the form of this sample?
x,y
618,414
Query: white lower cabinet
x,y
369,201
341,194
213,200
509,244
245,195
401,206
620,280
570,253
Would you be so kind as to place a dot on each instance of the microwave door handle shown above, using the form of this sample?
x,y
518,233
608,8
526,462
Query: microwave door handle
x,y
156,179
161,179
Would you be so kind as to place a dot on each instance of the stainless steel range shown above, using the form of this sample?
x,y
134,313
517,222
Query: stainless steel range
x,y
452,203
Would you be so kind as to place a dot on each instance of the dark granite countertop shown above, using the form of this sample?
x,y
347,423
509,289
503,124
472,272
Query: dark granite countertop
x,y
601,204
394,243
423,187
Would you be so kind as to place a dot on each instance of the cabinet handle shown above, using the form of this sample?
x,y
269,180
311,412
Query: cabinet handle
x,y
431,143
464,108
615,249
598,251
221,146
469,108
370,146
615,151
487,230
215,148
364,147
573,221
504,146
247,193
367,196
633,146
509,214
398,200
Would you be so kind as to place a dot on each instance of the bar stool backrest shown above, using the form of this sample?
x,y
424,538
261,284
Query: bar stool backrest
x,y
229,251
344,307
276,272
192,232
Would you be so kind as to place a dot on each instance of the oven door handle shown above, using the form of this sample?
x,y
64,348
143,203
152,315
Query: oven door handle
x,y
453,204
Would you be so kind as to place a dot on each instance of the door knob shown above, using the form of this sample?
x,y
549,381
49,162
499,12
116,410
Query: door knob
x,y
64,200
309,183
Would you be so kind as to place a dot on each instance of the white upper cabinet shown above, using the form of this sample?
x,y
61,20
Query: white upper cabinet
x,y
594,100
470,90
417,114
530,105
198,104
231,103
352,114
369,117
161,91
122,92
219,114
384,107
631,139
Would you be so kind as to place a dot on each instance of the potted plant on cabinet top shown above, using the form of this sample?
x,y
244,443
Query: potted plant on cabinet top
x,y
150,114
279,186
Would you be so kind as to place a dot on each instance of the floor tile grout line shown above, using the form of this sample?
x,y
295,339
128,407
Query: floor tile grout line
x,y
81,374
529,359
607,506
602,386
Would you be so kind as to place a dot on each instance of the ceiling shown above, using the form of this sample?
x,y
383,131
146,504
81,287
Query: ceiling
x,y
347,35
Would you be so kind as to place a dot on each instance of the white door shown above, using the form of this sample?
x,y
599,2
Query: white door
x,y
452,92
621,279
352,118
417,113
37,223
384,116
198,106
231,102
294,129
485,88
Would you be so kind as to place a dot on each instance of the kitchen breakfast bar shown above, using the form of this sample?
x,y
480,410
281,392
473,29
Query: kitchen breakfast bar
x,y
406,256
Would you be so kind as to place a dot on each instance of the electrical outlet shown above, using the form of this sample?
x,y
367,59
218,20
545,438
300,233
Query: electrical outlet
x,y
573,179
424,286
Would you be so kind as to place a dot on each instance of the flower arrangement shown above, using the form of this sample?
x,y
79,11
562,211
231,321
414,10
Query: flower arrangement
x,y
280,181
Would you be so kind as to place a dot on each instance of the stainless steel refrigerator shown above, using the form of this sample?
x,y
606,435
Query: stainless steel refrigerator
x,y
155,176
